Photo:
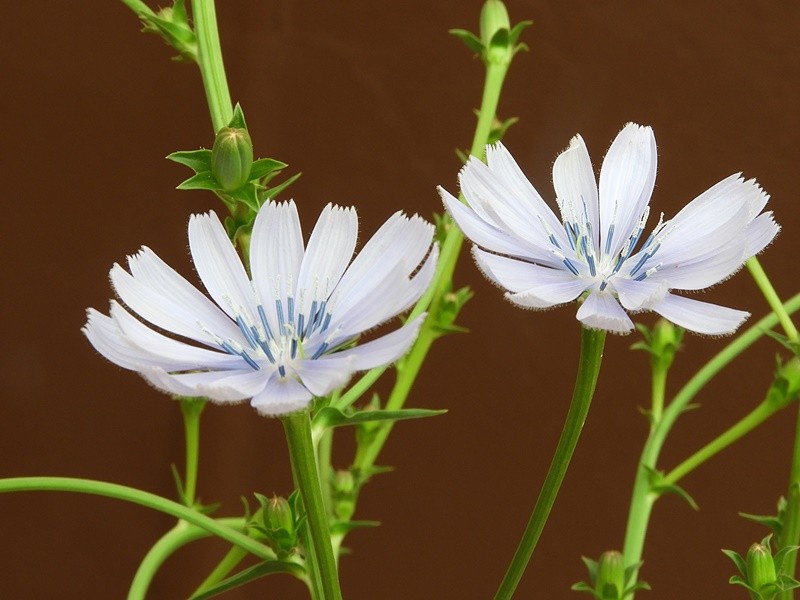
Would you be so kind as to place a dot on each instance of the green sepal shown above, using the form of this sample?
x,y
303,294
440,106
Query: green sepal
x,y
334,417
178,480
469,39
200,181
499,129
197,160
657,486
263,569
515,32
462,155
738,560
265,166
237,120
449,308
582,586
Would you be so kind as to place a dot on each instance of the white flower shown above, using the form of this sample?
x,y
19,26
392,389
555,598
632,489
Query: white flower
x,y
283,337
595,249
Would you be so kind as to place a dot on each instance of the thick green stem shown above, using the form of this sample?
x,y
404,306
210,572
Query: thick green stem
x,y
174,539
592,342
212,69
642,497
301,450
121,492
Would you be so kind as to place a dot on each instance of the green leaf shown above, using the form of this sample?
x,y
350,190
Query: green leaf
x,y
516,31
345,527
200,181
197,160
273,192
176,477
773,523
784,341
265,166
582,586
737,559
333,417
657,485
470,40
263,569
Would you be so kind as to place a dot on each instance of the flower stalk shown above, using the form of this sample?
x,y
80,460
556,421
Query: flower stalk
x,y
304,466
592,342
212,69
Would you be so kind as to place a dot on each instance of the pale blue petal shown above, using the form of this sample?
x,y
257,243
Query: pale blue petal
x,y
160,295
576,188
192,384
104,335
760,234
638,295
602,311
281,396
517,275
328,253
276,252
627,178
381,351
322,377
220,268
701,317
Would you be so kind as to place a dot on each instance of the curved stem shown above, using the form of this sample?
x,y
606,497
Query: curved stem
x,y
301,450
234,556
774,301
212,69
592,342
175,538
121,492
642,498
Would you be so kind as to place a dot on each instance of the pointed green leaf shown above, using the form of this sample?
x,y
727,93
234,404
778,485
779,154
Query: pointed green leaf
x,y
470,40
263,569
197,160
582,586
516,31
265,166
273,192
345,527
737,559
179,13
200,181
772,523
176,477
736,580
333,417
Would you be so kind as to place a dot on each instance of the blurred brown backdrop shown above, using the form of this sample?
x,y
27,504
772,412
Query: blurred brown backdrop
x,y
369,100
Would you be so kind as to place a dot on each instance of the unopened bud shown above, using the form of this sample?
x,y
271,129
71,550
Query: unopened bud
x,y
232,158
610,582
761,568
494,17
278,515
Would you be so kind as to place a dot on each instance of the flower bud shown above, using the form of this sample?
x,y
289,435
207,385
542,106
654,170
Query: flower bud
x,y
344,486
494,17
232,158
278,515
665,341
761,569
610,582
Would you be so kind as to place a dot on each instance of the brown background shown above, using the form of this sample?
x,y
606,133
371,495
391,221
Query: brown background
x,y
369,100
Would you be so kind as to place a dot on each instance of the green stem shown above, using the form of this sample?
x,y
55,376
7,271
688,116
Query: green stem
x,y
301,450
790,533
592,342
642,498
191,409
121,492
174,539
764,284
139,7
744,426
658,392
325,462
212,69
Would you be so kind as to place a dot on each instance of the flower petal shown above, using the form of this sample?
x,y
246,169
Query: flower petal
x,y
276,252
627,178
383,350
104,335
321,377
517,275
638,295
702,317
201,383
281,396
602,311
168,353
576,188
220,268
160,295
490,236
328,253
760,233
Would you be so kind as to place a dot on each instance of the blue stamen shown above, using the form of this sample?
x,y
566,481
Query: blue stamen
x,y
282,371
570,266
609,238
249,360
281,320
263,316
320,351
